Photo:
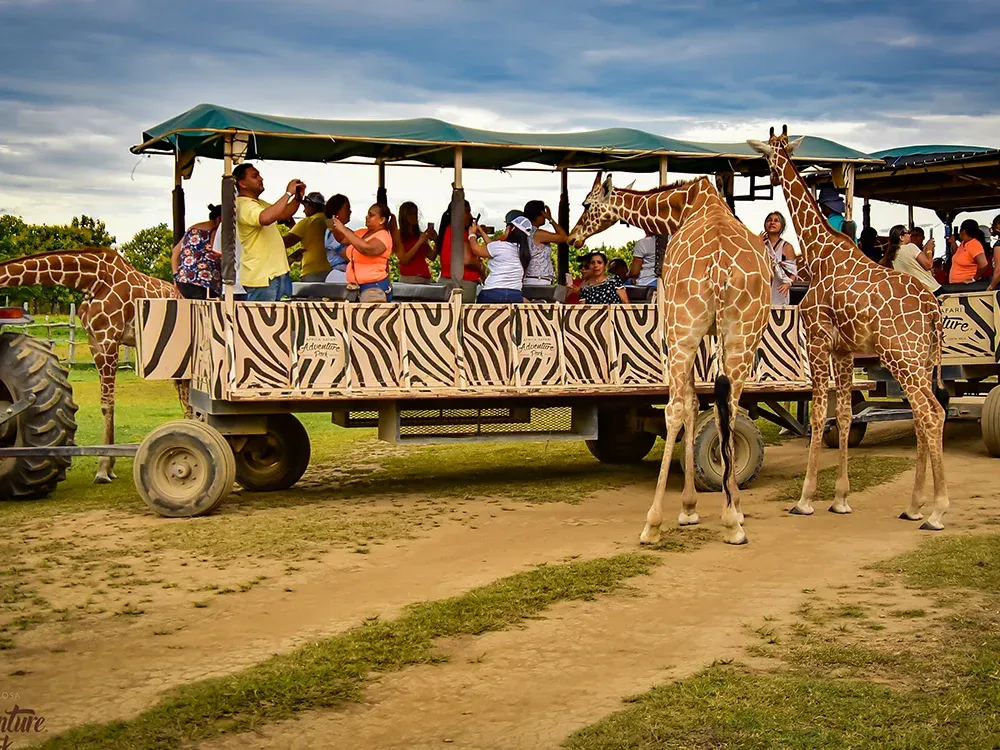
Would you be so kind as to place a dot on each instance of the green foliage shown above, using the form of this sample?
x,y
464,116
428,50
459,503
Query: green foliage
x,y
149,251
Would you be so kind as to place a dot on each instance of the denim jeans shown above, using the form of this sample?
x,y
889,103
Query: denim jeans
x,y
279,287
385,285
499,296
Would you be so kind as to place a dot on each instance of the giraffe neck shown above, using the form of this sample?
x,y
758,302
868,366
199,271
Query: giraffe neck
x,y
659,211
815,235
73,270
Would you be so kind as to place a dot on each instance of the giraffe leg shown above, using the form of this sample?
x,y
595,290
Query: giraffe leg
x,y
843,373
184,394
819,363
918,496
106,360
689,499
674,414
932,417
738,366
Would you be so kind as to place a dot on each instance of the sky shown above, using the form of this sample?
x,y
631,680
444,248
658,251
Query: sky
x,y
81,79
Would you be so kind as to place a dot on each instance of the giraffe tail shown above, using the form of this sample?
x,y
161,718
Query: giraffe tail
x,y
723,390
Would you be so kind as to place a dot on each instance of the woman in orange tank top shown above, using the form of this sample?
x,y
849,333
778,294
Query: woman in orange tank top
x,y
368,256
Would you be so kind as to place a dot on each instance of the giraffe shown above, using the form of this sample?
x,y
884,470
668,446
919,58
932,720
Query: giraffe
x,y
111,286
856,306
715,277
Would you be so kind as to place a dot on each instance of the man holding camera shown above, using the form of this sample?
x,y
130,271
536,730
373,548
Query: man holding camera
x,y
264,264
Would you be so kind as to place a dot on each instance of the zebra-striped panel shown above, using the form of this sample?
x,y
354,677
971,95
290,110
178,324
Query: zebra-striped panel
x,y
779,357
163,337
585,344
539,346
431,359
263,345
970,327
486,344
706,365
375,338
638,348
319,345
209,360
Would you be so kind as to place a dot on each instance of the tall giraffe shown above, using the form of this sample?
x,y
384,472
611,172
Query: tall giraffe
x,y
856,306
111,286
715,276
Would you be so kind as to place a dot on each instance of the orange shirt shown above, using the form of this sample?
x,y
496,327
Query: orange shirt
x,y
364,269
963,262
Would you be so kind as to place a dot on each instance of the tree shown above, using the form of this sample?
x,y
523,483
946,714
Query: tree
x,y
149,251
95,230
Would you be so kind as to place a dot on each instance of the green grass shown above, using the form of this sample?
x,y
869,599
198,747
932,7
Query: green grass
x,y
333,671
864,471
933,685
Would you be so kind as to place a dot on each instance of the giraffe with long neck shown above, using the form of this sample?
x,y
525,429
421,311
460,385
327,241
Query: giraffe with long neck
x,y
111,287
855,306
715,278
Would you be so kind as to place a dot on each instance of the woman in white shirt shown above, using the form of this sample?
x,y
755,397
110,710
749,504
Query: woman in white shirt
x,y
508,258
782,258
908,258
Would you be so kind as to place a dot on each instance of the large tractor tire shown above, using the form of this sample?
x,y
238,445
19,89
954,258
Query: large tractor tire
x,y
989,422
617,442
856,433
30,368
748,452
273,461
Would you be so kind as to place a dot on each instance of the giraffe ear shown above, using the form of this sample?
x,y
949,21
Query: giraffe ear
x,y
597,179
771,132
630,185
795,144
761,148
607,186
784,130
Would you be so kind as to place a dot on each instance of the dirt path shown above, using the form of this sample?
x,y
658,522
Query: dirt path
x,y
523,688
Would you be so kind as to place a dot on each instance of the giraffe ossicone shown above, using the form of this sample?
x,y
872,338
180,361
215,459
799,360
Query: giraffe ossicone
x,y
716,277
111,286
855,306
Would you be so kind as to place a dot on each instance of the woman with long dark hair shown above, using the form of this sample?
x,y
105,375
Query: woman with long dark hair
x,y
197,268
540,271
336,244
969,258
508,257
602,289
903,255
416,251
782,256
473,269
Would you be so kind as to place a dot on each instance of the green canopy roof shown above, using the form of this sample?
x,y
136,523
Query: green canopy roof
x,y
904,151
430,141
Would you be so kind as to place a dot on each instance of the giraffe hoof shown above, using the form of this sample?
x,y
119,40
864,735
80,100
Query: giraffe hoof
x,y
102,479
649,535
688,519
741,539
841,510
795,510
928,526
906,516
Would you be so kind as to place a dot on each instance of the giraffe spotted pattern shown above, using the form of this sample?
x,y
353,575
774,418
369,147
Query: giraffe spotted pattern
x,y
715,278
110,286
855,306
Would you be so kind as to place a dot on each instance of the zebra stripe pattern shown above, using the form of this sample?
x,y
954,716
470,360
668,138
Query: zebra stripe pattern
x,y
970,327
780,356
165,334
539,354
486,345
263,345
430,349
639,347
585,338
319,353
375,345
209,349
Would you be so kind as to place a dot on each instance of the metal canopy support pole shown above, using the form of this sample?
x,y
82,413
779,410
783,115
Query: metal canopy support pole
x,y
661,239
381,196
562,253
909,216
663,171
457,222
866,213
849,194
178,199
228,221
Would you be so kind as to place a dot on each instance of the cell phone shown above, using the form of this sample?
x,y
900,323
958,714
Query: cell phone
x,y
477,218
430,226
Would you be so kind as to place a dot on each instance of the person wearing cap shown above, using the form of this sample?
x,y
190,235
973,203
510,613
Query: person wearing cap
x,y
310,231
508,259
540,271
832,206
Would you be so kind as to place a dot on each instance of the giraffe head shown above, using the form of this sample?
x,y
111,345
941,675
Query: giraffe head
x,y
598,212
771,148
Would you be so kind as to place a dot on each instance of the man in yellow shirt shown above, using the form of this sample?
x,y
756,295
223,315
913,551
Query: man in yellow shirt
x,y
310,231
263,265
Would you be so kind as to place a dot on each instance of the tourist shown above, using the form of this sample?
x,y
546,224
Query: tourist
x,y
782,256
540,271
969,258
508,258
643,268
473,268
368,255
575,285
995,231
602,289
833,207
310,232
334,242
416,250
619,268
904,256
264,265
197,267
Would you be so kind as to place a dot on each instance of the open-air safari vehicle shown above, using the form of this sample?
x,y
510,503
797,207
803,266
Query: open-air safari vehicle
x,y
425,367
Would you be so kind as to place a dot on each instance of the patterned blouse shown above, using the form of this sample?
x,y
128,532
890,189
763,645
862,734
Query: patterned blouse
x,y
605,293
198,264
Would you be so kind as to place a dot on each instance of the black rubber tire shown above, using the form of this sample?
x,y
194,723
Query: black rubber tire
x,y
831,438
199,449
28,366
749,449
989,422
616,442
275,461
